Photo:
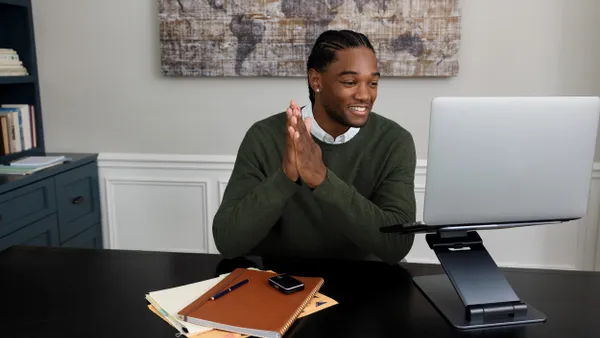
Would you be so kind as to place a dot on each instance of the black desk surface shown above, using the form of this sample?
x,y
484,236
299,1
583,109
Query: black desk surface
x,y
59,292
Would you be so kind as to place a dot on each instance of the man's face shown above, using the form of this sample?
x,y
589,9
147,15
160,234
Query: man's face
x,y
349,86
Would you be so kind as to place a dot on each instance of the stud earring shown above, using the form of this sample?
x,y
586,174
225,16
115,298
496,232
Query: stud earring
x,y
318,90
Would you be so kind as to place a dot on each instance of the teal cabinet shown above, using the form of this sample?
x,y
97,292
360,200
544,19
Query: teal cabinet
x,y
43,232
77,200
58,206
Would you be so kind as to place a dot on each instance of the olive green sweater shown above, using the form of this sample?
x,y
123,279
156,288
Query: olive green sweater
x,y
369,184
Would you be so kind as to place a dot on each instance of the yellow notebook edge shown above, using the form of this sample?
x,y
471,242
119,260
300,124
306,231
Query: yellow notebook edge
x,y
301,307
212,333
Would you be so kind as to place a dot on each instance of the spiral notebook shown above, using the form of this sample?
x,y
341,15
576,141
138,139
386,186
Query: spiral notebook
x,y
255,309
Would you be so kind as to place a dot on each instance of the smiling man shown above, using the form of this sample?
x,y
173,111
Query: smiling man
x,y
319,181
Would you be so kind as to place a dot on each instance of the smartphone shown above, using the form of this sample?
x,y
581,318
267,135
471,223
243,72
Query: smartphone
x,y
286,283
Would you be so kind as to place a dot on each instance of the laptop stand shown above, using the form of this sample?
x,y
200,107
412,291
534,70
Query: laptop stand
x,y
473,293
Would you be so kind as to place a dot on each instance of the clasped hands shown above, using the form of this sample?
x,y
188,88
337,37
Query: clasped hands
x,y
302,157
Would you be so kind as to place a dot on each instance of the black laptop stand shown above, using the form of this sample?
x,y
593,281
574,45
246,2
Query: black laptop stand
x,y
473,293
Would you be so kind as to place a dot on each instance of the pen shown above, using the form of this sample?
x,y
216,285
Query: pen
x,y
228,290
172,320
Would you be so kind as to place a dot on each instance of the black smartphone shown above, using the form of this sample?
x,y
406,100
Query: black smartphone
x,y
286,283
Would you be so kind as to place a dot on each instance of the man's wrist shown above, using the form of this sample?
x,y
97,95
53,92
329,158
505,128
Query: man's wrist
x,y
321,176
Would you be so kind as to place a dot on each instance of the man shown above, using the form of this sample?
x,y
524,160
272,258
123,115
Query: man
x,y
320,181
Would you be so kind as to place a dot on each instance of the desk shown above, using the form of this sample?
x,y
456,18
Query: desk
x,y
69,292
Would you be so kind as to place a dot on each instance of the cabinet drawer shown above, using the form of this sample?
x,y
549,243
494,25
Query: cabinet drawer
x,y
88,239
77,200
41,233
25,205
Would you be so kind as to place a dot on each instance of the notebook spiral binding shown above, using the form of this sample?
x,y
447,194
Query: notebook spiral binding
x,y
300,309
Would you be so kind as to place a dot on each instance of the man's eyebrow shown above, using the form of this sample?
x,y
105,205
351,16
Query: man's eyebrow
x,y
351,72
347,72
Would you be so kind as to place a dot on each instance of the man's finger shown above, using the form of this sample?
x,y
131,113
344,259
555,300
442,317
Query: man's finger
x,y
294,105
290,115
308,123
301,126
296,112
295,108
290,134
298,142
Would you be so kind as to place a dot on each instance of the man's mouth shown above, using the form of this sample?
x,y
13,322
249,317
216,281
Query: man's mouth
x,y
359,110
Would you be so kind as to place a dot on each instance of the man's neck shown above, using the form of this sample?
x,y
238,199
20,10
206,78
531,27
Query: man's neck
x,y
330,126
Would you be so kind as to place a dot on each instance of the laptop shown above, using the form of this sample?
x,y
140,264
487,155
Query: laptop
x,y
498,162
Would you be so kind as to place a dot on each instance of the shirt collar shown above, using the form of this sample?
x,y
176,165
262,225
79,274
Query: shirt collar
x,y
321,134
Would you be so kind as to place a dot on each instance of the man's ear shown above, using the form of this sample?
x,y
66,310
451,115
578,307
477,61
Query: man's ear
x,y
314,79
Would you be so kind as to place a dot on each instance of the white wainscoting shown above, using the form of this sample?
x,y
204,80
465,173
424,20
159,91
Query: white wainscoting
x,y
161,202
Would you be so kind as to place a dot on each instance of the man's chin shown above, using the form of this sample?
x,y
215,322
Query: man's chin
x,y
357,122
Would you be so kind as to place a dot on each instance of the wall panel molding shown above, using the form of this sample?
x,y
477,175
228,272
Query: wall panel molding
x,y
111,220
568,246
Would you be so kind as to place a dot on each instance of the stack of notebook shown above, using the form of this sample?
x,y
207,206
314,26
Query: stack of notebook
x,y
30,165
254,309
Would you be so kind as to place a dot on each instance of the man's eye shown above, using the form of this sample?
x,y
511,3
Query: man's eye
x,y
348,83
374,84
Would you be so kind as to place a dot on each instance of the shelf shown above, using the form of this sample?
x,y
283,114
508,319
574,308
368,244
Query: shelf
x,y
16,32
16,79
23,3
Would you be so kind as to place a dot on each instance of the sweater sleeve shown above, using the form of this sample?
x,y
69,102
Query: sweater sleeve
x,y
392,203
253,201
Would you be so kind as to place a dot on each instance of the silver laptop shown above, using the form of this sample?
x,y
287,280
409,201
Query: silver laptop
x,y
496,162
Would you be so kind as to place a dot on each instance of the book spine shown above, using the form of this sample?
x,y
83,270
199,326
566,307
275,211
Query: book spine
x,y
299,310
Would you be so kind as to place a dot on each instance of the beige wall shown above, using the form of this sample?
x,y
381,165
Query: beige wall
x,y
99,73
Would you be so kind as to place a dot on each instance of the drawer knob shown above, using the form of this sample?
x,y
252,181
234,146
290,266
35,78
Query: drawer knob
x,y
77,200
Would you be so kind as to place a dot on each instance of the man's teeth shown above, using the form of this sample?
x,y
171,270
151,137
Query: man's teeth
x,y
359,109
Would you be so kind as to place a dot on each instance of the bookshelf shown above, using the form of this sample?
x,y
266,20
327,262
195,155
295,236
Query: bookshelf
x,y
57,205
17,33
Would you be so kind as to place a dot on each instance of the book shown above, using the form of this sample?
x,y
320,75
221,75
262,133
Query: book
x,y
204,334
18,128
25,130
37,161
254,309
318,303
13,128
12,170
172,300
10,64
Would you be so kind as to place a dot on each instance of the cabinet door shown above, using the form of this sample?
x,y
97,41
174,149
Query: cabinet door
x,y
78,201
89,239
25,205
41,233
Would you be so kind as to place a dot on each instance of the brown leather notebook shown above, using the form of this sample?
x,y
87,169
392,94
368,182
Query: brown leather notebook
x,y
255,308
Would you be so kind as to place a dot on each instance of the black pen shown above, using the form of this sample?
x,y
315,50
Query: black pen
x,y
226,291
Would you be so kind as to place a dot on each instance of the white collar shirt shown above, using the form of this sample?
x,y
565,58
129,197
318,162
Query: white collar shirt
x,y
321,134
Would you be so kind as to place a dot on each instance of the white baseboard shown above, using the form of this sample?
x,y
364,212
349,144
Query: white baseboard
x,y
166,202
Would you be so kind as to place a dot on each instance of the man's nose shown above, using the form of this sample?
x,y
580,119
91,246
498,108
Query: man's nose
x,y
362,93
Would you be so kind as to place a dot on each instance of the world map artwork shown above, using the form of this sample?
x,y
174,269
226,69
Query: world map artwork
x,y
411,38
